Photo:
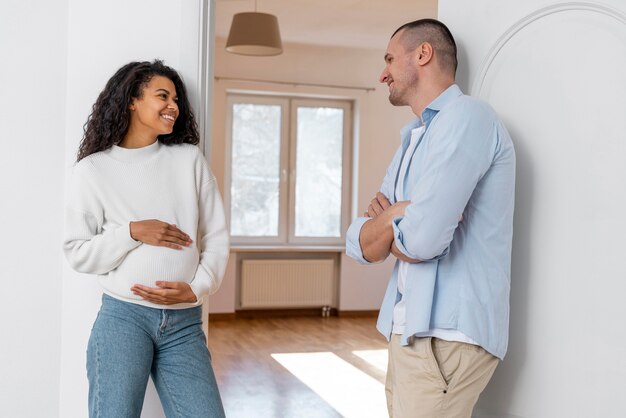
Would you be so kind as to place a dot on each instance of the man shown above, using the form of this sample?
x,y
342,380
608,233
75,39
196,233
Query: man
x,y
445,210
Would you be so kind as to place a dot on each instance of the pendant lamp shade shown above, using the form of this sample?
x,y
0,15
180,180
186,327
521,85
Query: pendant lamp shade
x,y
254,33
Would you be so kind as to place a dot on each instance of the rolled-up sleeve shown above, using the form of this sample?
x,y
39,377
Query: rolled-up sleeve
x,y
353,244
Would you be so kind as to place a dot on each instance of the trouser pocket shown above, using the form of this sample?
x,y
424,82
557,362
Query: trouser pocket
x,y
446,360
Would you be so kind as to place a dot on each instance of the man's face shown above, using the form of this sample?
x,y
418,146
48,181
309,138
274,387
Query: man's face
x,y
399,73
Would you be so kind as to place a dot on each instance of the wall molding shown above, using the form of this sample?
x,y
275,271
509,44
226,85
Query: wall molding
x,y
206,43
479,82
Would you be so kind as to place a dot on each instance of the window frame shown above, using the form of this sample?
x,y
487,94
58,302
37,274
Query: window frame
x,y
346,106
282,175
288,170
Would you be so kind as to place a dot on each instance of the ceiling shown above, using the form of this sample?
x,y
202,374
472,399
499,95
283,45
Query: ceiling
x,y
347,23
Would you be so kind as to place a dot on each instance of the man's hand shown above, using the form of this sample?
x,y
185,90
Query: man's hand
x,y
377,205
396,210
166,293
377,233
155,232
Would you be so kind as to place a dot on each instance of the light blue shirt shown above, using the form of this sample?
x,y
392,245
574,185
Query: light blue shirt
x,y
464,164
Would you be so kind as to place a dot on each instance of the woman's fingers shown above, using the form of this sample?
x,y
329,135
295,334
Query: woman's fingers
x,y
155,294
167,293
176,237
169,245
155,232
147,294
177,233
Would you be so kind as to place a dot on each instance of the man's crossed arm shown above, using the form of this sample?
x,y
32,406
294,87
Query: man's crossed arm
x,y
376,238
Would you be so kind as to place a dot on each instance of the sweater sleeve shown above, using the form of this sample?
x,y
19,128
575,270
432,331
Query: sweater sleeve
x,y
213,241
88,247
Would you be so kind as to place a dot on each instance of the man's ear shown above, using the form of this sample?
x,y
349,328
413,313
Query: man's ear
x,y
424,53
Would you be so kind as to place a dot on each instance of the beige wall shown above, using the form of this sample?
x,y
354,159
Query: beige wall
x,y
377,126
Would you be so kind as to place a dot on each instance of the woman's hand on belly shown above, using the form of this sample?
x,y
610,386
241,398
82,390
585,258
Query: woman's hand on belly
x,y
166,293
155,232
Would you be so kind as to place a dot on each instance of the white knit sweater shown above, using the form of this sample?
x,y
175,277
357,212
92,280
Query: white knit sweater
x,y
173,184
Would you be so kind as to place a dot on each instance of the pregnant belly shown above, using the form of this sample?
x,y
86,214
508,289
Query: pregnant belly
x,y
147,264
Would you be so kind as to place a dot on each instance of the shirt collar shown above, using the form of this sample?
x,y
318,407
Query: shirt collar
x,y
445,98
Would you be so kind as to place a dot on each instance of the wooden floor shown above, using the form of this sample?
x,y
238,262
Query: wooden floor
x,y
253,384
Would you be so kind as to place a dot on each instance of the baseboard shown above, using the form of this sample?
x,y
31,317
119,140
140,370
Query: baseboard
x,y
357,314
222,316
486,414
288,313
283,313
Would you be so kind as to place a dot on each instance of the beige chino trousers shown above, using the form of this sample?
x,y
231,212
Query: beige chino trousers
x,y
434,378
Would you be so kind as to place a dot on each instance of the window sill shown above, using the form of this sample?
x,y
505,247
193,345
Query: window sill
x,y
239,248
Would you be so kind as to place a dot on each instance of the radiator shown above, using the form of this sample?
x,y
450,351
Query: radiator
x,y
287,283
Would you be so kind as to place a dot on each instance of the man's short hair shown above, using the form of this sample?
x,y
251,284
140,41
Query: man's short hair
x,y
435,33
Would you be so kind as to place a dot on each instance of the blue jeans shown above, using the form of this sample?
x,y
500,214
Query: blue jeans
x,y
130,342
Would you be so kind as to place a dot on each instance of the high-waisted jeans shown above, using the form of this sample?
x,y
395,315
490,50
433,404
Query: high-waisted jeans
x,y
130,342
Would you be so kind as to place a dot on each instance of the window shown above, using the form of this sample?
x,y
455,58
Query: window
x,y
289,171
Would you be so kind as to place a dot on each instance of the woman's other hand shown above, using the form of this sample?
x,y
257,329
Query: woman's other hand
x,y
155,232
166,293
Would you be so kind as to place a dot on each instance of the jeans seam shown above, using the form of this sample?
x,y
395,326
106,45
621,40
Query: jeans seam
x,y
97,382
169,392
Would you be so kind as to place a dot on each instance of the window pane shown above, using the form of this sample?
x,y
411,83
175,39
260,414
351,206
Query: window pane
x,y
255,170
319,172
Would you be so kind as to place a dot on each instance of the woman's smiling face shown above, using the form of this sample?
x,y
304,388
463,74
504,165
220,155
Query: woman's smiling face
x,y
155,112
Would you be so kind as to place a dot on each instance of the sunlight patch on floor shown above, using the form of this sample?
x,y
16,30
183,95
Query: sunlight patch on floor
x,y
377,358
347,389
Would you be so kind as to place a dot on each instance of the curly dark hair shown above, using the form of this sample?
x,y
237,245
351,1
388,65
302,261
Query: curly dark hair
x,y
110,116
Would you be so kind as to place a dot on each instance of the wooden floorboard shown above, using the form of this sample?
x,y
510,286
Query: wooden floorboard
x,y
255,385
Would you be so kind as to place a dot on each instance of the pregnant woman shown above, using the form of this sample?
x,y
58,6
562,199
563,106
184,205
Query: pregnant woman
x,y
144,214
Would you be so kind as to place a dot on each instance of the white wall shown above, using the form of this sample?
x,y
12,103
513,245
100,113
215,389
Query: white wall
x,y
32,109
378,124
56,58
557,80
